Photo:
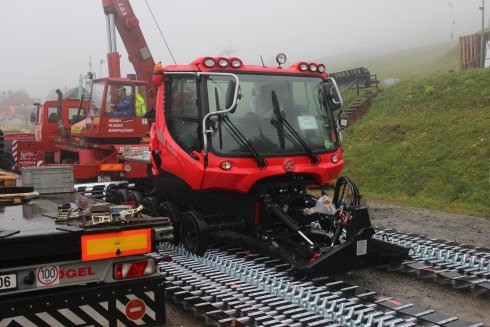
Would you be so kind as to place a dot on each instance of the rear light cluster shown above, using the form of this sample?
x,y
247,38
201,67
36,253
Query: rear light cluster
x,y
312,67
210,62
134,269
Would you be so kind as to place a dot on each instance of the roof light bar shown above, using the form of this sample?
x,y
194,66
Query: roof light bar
x,y
209,62
236,63
223,63
303,67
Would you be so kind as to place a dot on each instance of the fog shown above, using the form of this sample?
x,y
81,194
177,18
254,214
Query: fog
x,y
48,44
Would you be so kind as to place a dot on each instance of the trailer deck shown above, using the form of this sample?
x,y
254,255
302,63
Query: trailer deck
x,y
92,263
29,232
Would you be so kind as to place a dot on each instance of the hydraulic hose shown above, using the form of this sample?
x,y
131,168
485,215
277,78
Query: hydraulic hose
x,y
290,223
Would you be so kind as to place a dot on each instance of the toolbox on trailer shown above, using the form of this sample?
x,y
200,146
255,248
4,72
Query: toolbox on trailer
x,y
49,179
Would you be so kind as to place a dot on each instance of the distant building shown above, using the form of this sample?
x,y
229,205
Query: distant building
x,y
15,111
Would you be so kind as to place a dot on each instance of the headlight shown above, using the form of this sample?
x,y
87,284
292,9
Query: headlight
x,y
225,165
223,63
321,68
313,68
209,62
281,58
303,67
235,63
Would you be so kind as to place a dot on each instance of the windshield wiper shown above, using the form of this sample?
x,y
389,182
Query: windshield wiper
x,y
237,135
242,140
280,116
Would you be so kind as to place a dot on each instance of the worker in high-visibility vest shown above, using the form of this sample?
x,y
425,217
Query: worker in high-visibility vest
x,y
139,104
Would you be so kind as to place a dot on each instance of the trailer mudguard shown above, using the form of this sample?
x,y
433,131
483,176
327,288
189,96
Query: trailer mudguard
x,y
129,303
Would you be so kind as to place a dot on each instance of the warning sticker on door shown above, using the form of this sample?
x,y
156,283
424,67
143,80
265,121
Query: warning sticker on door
x,y
361,247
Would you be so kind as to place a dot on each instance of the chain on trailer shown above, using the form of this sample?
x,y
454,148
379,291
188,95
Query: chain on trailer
x,y
235,287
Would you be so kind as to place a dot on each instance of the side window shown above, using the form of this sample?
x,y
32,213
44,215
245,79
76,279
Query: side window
x,y
52,115
183,98
120,100
182,113
72,115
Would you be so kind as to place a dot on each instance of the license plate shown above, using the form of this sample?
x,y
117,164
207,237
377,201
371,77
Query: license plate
x,y
8,281
104,178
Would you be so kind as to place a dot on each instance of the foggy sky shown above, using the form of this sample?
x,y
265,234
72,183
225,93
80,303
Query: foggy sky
x,y
46,44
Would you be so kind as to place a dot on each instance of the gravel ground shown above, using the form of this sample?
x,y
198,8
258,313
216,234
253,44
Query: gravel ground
x,y
407,289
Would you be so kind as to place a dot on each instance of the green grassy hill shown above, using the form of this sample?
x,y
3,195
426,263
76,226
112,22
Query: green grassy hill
x,y
425,142
409,63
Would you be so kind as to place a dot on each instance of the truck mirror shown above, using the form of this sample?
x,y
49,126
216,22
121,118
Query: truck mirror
x,y
33,117
230,96
334,99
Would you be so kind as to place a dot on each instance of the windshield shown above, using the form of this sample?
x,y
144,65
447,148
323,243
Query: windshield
x,y
121,100
299,102
97,98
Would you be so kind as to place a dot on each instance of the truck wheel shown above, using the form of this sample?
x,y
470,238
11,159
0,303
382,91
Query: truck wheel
x,y
122,196
194,232
135,197
151,205
168,209
110,194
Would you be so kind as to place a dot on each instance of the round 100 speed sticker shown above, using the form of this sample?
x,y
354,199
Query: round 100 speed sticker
x,y
47,275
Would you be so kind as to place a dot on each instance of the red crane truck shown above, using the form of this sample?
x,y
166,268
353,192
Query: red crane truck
x,y
104,144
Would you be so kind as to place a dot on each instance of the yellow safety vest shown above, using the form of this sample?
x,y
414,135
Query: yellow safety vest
x,y
139,103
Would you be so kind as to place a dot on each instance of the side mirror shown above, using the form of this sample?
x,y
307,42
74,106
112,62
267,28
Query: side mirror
x,y
33,117
334,99
230,96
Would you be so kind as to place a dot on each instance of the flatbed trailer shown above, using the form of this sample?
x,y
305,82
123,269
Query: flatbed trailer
x,y
54,274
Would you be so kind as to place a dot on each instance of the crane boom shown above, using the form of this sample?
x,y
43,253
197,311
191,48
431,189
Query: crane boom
x,y
120,15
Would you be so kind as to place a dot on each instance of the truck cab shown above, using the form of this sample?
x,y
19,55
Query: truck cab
x,y
49,125
106,122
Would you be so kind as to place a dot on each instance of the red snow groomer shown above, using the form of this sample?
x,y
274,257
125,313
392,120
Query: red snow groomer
x,y
234,151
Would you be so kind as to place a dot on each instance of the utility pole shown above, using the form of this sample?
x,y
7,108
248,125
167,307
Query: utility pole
x,y
452,21
100,67
482,45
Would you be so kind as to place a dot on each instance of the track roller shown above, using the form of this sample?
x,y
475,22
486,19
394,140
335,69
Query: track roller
x,y
122,196
168,209
136,198
194,232
151,205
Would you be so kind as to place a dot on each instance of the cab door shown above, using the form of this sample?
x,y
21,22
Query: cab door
x,y
183,145
47,122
